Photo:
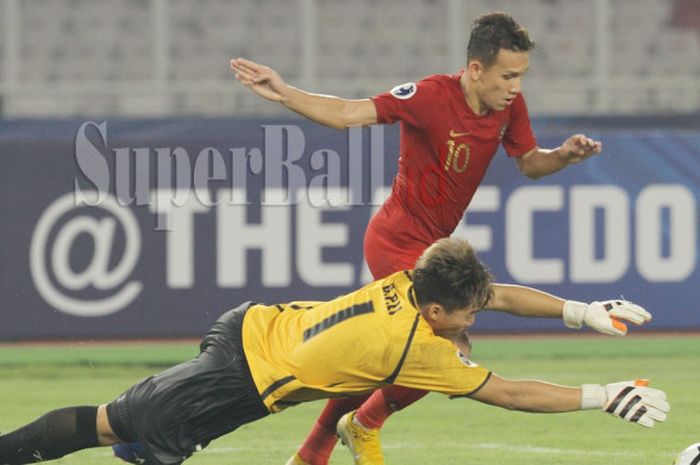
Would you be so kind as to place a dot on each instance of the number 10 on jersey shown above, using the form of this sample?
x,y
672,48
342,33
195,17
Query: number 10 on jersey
x,y
457,156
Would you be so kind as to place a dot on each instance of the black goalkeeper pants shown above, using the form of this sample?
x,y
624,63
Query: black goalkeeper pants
x,y
179,411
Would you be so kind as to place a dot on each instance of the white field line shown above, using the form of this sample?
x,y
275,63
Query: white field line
x,y
552,450
451,445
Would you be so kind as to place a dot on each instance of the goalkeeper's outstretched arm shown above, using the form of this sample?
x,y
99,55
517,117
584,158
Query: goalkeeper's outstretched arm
x,y
529,395
633,401
605,317
328,110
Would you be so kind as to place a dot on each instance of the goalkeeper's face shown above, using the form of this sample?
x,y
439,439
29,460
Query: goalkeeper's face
x,y
449,324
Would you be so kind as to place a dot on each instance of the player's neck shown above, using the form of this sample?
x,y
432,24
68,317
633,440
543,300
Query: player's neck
x,y
471,97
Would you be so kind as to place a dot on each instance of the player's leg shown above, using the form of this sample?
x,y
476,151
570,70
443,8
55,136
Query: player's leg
x,y
383,258
55,434
201,399
385,402
179,411
376,408
318,445
360,430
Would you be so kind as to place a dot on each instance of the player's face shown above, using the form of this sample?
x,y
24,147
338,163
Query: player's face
x,y
447,324
499,84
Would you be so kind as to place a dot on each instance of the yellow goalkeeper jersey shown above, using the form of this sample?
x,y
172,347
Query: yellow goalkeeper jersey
x,y
356,343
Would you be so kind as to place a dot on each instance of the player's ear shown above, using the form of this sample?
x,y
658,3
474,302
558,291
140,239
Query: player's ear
x,y
434,312
474,69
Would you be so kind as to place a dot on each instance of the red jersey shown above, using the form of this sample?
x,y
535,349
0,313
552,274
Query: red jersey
x,y
445,150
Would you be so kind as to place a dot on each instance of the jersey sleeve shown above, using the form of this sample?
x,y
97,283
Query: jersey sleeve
x,y
410,102
519,138
438,366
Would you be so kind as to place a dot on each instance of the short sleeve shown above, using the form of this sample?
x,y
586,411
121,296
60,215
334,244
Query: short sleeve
x,y
519,138
438,366
409,102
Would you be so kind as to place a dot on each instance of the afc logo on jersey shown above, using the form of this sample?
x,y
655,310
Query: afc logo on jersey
x,y
464,359
457,154
404,91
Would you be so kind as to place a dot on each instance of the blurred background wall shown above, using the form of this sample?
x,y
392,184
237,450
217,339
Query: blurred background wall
x,y
170,57
135,99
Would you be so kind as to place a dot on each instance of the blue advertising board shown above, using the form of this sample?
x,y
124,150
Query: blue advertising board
x,y
152,228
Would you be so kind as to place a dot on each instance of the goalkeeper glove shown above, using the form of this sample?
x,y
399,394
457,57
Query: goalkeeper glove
x,y
605,316
633,401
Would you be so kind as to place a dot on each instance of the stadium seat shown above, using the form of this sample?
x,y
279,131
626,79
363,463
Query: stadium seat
x,y
362,47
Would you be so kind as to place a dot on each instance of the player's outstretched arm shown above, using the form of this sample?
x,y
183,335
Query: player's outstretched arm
x,y
542,162
632,401
606,317
525,301
328,110
528,395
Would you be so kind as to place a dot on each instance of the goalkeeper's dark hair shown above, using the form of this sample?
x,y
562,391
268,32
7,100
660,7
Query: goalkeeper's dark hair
x,y
493,32
450,274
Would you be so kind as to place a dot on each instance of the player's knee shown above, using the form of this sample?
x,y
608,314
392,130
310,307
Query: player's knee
x,y
105,434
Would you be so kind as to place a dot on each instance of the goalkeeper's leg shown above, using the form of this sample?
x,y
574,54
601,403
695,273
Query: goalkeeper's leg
x,y
57,433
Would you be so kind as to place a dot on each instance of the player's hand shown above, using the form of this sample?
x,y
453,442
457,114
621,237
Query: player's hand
x,y
261,79
579,147
605,317
636,402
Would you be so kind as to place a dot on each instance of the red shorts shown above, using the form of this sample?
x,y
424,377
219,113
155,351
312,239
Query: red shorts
x,y
385,257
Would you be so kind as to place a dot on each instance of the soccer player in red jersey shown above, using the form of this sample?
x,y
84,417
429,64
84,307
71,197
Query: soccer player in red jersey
x,y
451,127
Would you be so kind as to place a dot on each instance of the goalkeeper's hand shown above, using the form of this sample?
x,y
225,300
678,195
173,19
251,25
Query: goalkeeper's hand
x,y
604,317
633,401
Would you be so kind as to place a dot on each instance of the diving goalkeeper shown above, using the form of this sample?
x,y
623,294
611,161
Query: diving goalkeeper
x,y
397,330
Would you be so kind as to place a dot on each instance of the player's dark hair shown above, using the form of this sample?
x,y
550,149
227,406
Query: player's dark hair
x,y
493,32
450,274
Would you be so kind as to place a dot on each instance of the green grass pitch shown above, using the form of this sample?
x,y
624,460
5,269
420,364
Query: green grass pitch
x,y
436,430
